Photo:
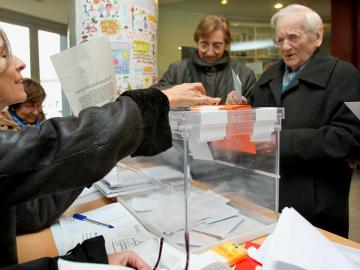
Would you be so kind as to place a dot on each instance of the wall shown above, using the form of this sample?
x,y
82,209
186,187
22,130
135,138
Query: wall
x,y
175,29
54,10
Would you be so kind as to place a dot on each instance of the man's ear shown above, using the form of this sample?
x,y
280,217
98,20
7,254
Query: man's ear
x,y
319,36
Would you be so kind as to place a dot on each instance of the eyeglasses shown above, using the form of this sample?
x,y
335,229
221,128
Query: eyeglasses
x,y
187,248
293,39
217,47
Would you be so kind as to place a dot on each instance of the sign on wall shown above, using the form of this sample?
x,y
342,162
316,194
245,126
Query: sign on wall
x,y
131,26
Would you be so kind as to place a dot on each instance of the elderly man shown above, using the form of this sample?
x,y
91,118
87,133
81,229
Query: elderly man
x,y
319,132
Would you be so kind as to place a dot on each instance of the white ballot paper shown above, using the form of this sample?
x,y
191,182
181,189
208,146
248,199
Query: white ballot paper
x,y
87,74
296,244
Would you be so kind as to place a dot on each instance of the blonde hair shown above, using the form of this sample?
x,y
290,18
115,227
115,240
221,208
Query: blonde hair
x,y
5,48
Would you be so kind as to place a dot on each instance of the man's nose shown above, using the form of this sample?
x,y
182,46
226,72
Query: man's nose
x,y
286,45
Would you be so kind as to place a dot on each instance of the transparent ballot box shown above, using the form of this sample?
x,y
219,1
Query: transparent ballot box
x,y
219,181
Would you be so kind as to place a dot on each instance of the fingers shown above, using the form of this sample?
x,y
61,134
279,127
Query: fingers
x,y
199,87
205,100
243,100
128,258
233,98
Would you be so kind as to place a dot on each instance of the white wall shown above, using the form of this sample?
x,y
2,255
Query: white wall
x,y
175,28
54,10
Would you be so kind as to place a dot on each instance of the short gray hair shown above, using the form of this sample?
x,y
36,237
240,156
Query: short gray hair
x,y
312,21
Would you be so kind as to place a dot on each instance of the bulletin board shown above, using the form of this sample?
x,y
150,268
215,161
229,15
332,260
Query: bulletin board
x,y
131,26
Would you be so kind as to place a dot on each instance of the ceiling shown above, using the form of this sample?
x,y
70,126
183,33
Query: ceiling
x,y
244,10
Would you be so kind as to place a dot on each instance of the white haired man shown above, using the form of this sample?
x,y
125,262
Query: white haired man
x,y
319,132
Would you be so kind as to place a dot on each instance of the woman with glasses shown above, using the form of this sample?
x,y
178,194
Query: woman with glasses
x,y
319,132
210,63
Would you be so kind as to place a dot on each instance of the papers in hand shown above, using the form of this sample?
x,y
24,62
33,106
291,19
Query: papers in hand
x,y
86,73
296,244
237,83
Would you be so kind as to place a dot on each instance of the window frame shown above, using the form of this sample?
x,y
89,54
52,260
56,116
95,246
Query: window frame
x,y
35,24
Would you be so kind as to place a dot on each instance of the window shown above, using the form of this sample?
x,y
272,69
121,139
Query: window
x,y
34,40
20,43
49,44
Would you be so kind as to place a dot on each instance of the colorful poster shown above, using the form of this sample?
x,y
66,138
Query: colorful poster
x,y
131,26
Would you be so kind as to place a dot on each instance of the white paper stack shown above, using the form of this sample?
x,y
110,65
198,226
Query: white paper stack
x,y
124,182
296,244
210,217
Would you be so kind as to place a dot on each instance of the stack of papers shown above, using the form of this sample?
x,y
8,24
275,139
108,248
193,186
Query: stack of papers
x,y
130,181
128,232
210,217
124,182
296,244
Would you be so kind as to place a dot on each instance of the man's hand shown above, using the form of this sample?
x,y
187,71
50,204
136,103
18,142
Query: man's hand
x,y
188,94
130,259
234,99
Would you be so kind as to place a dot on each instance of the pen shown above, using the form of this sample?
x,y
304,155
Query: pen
x,y
85,218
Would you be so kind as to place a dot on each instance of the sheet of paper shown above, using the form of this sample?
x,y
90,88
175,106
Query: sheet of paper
x,y
111,192
354,107
220,228
127,231
86,74
69,265
158,206
199,150
296,244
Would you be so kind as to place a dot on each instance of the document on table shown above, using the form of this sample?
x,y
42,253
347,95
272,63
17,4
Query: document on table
x,y
213,222
127,232
87,74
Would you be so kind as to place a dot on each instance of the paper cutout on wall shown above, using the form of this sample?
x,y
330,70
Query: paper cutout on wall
x,y
131,26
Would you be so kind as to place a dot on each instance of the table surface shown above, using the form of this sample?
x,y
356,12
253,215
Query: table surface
x,y
41,244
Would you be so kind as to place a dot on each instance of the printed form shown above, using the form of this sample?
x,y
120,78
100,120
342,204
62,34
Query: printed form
x,y
127,233
87,74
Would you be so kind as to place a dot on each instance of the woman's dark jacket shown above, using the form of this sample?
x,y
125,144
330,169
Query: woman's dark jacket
x,y
41,212
216,78
318,133
67,153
